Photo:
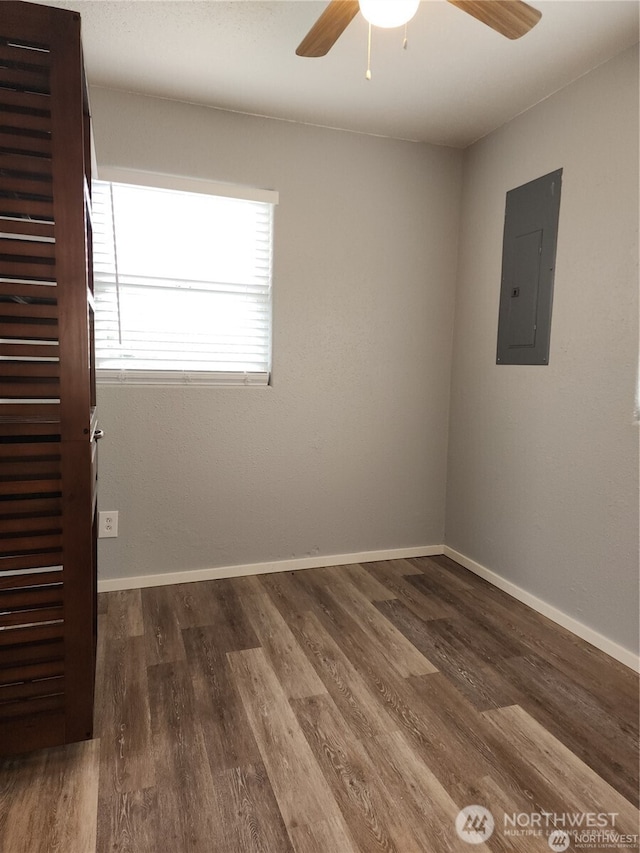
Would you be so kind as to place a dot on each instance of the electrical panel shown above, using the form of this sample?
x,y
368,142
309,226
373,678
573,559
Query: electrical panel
x,y
528,266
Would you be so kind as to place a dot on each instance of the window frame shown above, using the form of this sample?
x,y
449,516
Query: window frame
x,y
151,377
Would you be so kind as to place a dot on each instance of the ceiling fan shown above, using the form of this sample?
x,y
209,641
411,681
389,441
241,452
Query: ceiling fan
x,y
510,18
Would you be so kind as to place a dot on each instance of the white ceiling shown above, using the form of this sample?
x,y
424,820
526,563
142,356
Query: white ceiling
x,y
457,81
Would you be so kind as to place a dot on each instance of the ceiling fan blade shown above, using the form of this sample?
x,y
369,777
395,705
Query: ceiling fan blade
x,y
328,28
510,18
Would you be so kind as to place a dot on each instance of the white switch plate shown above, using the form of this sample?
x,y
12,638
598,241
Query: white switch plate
x,y
107,524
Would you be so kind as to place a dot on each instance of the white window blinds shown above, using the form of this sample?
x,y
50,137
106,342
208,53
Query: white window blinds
x,y
182,284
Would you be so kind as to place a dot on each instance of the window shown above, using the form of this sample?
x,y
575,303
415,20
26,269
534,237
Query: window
x,y
182,280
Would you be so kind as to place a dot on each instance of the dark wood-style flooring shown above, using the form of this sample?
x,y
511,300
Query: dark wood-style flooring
x,y
339,710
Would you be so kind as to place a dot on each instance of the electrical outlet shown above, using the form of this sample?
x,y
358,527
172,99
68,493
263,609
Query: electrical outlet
x,y
108,524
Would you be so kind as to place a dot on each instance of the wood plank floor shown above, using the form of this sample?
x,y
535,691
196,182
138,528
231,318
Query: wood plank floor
x,y
338,710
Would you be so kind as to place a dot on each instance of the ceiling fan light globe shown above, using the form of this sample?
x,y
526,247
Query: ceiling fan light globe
x,y
388,13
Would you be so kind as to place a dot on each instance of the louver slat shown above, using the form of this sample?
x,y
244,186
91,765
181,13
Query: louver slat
x,y
19,75
31,617
30,597
30,369
35,103
29,311
39,560
24,120
17,142
13,204
27,248
36,705
49,686
27,227
43,411
25,186
33,579
13,52
25,467
40,645
12,291
26,389
34,526
32,352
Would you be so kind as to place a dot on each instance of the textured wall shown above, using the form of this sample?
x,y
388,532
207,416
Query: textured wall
x,y
347,451
543,461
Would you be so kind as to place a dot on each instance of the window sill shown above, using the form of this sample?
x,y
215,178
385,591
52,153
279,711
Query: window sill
x,y
180,377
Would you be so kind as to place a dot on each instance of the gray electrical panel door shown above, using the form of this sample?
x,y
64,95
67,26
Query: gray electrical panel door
x,y
528,265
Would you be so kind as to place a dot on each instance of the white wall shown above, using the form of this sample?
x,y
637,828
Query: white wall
x,y
347,451
543,461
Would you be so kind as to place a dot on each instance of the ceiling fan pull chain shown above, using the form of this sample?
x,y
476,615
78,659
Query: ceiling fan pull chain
x,y
404,42
368,74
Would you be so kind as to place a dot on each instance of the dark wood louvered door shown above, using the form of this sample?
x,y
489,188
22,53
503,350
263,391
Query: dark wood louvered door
x,y
47,378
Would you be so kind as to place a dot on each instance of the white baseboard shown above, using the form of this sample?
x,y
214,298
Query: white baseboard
x,y
596,639
620,653
192,575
